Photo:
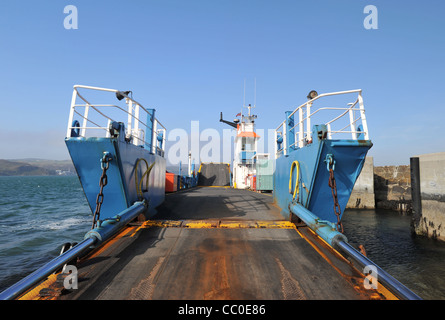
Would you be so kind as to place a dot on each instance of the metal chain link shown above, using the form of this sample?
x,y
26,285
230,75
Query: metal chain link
x,y
104,163
333,185
337,210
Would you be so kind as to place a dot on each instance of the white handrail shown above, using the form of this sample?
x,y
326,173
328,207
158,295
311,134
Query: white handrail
x,y
326,95
302,129
133,130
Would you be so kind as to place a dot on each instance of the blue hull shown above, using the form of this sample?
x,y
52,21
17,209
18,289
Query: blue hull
x,y
120,192
314,191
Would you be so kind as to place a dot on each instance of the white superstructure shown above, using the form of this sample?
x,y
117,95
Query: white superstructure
x,y
246,142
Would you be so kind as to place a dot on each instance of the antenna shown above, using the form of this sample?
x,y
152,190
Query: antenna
x,y
254,97
244,98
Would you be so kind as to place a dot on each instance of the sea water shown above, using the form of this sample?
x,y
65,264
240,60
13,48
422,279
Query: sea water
x,y
39,214
417,262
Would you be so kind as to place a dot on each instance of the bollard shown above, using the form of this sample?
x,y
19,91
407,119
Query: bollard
x,y
415,193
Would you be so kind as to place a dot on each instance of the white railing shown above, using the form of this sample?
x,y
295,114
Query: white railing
x,y
94,117
347,120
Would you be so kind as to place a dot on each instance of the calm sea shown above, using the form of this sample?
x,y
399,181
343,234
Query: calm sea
x,y
39,214
417,262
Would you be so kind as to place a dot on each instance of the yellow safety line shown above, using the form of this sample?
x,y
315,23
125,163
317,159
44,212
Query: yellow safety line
x,y
227,187
221,224
34,293
200,225
108,243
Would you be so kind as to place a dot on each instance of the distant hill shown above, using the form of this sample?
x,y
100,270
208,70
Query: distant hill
x,y
44,167
35,167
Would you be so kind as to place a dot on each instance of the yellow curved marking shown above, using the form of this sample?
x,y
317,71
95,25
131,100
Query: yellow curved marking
x,y
146,173
297,184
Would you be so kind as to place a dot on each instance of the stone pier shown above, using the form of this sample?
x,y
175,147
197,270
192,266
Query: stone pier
x,y
385,187
362,196
430,221
392,186
389,187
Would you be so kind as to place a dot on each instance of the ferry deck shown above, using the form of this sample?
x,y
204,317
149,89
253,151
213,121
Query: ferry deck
x,y
210,243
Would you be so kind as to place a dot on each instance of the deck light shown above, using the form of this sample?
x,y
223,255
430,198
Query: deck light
x,y
312,95
120,95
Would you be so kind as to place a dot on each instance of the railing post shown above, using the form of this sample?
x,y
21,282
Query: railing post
x,y
85,120
149,133
328,126
107,134
290,133
308,121
164,133
300,128
136,124
285,150
351,123
363,116
155,136
130,116
71,116
276,143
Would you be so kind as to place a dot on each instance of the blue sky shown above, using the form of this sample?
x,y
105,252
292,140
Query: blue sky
x,y
189,60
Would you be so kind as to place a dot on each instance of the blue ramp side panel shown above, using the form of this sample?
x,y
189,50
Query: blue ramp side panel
x,y
349,156
307,158
86,154
314,191
154,193
120,192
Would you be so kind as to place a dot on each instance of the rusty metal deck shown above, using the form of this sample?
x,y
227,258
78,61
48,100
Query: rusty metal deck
x,y
217,243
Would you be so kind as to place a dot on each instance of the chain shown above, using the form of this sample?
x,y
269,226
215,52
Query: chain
x,y
333,186
104,163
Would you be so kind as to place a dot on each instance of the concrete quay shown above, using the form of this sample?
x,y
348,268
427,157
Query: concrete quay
x,y
363,196
429,212
392,188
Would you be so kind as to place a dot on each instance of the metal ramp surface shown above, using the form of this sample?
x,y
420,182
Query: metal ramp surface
x,y
216,243
214,175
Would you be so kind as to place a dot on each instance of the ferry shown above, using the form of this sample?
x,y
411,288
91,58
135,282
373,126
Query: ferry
x,y
264,227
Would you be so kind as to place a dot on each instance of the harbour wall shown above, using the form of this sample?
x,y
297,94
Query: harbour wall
x,y
393,188
362,196
429,218
385,187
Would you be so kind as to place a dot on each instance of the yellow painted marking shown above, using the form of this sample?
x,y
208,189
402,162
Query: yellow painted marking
x,y
34,293
222,224
226,187
276,224
162,223
236,225
199,225
108,243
